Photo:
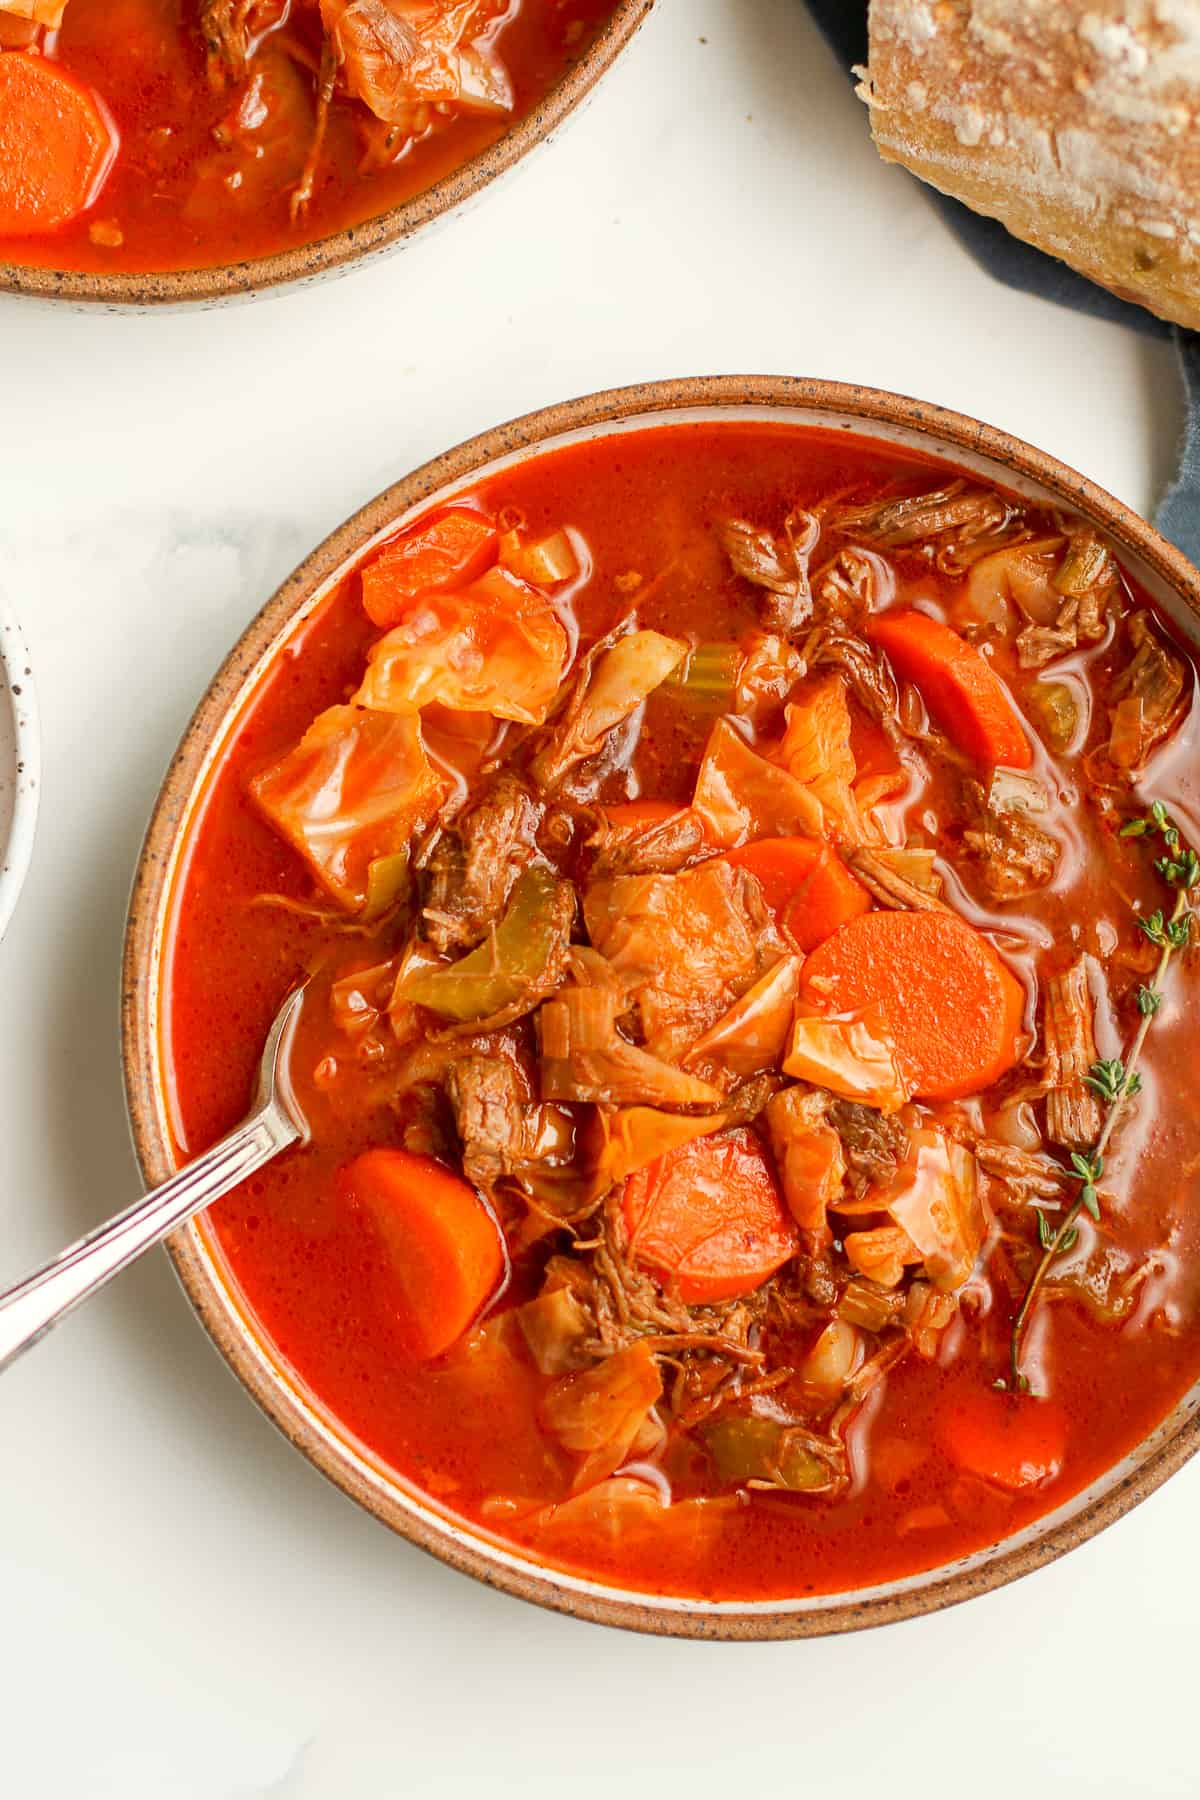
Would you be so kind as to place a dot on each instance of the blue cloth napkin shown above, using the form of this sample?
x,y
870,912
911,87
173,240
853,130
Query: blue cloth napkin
x,y
1019,265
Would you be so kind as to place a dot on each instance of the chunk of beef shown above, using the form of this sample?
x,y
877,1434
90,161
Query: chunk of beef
x,y
1086,580
956,515
476,863
868,674
874,1145
1011,856
233,30
1073,1112
1039,644
502,1130
1024,1175
1149,696
661,847
776,565
856,583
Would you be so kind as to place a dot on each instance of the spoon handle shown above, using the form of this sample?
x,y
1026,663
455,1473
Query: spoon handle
x,y
33,1306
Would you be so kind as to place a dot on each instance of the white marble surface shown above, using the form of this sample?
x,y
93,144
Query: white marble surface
x,y
187,1611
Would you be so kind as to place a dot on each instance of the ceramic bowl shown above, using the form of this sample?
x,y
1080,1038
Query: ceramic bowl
x,y
20,764
372,237
856,410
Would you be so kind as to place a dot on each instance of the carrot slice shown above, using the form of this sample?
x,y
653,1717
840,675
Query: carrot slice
x,y
953,1009
806,885
444,1248
1012,1441
708,1217
56,144
447,552
961,690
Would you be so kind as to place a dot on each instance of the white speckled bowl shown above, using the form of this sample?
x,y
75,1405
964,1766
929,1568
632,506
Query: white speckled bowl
x,y
20,764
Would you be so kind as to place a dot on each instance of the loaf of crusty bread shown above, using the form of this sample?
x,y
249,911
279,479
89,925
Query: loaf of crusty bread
x,y
1075,122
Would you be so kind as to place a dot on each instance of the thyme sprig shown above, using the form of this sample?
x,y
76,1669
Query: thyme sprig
x,y
1116,1079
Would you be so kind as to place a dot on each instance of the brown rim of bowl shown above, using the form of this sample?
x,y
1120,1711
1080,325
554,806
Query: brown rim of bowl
x,y
220,1308
345,248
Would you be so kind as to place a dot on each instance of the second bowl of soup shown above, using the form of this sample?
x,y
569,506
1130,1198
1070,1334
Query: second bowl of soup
x,y
171,150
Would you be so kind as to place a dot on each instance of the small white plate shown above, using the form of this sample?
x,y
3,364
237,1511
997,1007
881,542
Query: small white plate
x,y
20,764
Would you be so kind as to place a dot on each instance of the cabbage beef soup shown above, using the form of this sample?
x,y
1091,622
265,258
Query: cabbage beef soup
x,y
144,135
746,876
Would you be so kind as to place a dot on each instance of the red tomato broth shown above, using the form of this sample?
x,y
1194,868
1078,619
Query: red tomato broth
x,y
643,502
180,199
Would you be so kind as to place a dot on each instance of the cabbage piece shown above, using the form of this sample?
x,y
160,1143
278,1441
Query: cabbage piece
x,y
555,1327
585,1057
625,1515
636,1135
599,1413
851,1054
358,1001
495,647
753,1034
353,791
522,959
1023,575
816,739
397,55
816,750
740,795
685,945
611,687
934,1197
770,669
809,1154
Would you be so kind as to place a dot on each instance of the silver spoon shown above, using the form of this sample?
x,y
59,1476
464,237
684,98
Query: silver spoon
x,y
33,1306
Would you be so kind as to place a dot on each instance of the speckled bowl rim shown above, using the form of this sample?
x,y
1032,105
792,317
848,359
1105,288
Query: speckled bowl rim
x,y
343,249
197,1257
18,698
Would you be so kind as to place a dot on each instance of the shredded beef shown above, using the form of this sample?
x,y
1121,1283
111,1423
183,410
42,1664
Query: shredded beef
x,y
475,864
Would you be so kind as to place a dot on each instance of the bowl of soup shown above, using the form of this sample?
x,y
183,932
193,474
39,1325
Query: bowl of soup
x,y
739,833
160,151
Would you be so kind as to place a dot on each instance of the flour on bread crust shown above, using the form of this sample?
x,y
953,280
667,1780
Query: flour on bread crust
x,y
1075,122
